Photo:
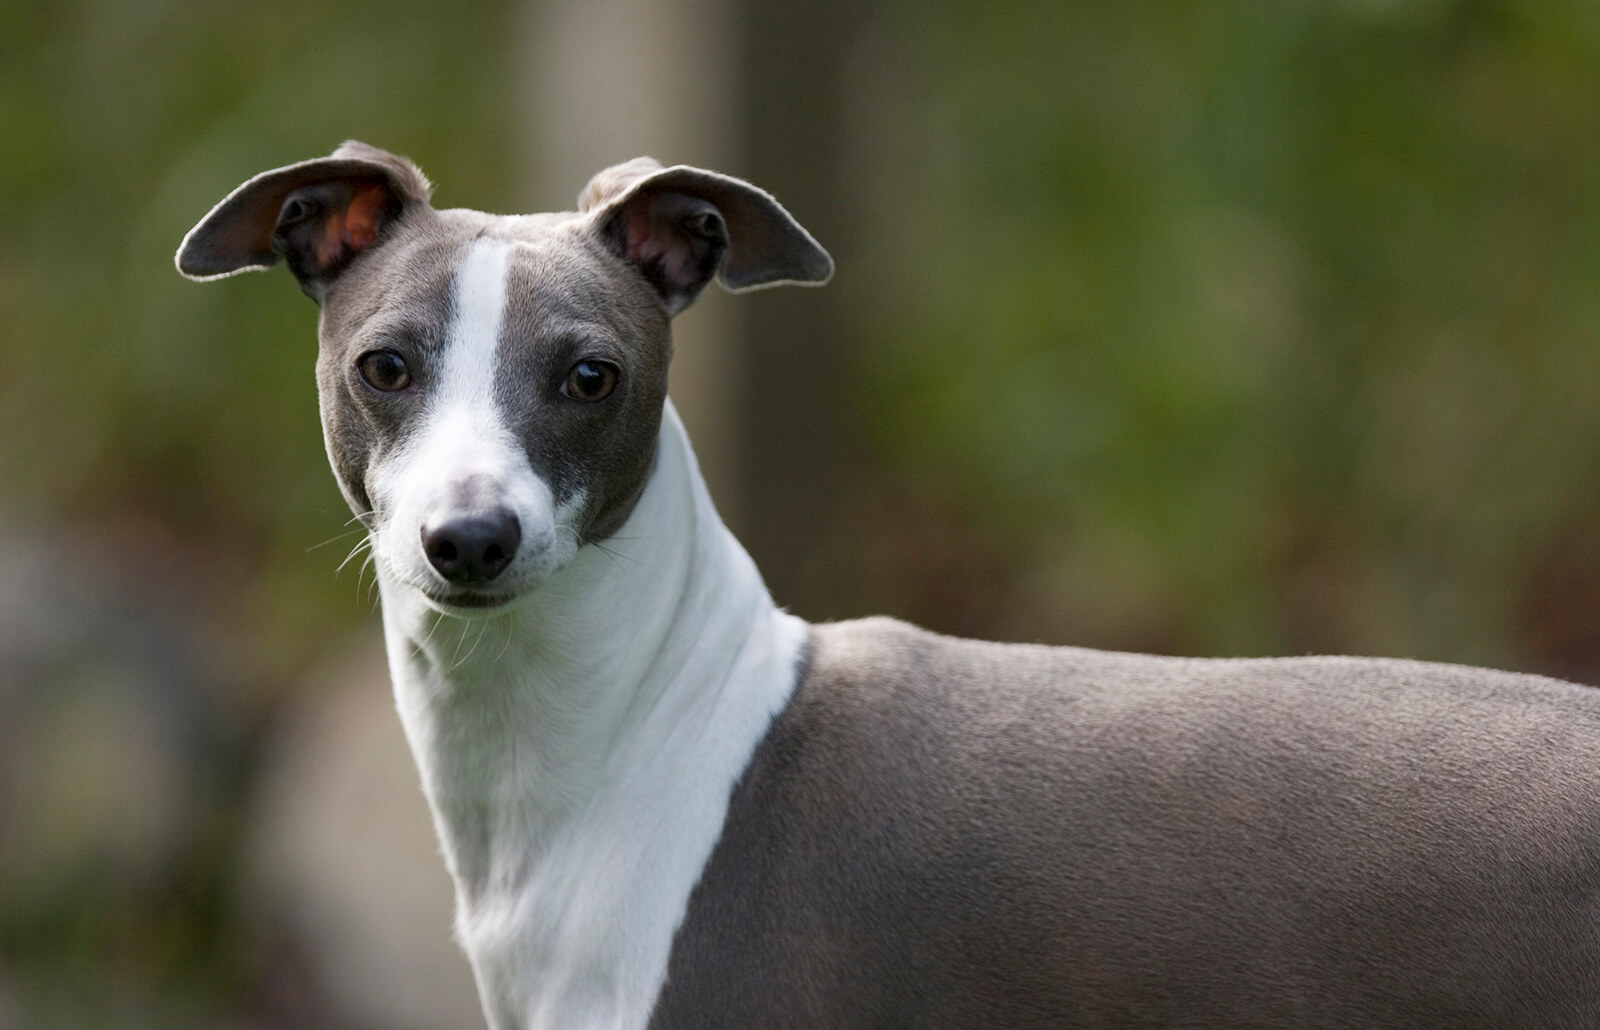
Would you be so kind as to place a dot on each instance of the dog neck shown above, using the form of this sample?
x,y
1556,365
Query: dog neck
x,y
578,750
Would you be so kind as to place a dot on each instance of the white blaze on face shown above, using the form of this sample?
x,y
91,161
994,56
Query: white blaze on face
x,y
477,318
464,458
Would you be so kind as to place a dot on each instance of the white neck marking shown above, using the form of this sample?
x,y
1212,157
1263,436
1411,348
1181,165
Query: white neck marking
x,y
578,750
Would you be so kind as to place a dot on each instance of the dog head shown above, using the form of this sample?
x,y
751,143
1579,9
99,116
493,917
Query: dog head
x,y
491,386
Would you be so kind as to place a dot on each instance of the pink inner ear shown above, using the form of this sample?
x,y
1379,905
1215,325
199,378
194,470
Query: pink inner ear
x,y
362,218
639,249
653,236
330,245
349,232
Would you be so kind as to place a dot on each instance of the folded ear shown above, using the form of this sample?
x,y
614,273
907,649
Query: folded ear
x,y
681,226
317,215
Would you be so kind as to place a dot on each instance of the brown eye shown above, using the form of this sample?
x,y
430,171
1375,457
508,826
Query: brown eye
x,y
590,381
384,370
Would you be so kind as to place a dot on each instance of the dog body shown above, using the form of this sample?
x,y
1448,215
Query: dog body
x,y
666,803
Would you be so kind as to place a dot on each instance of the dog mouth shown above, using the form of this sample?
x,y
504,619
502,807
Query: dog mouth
x,y
468,600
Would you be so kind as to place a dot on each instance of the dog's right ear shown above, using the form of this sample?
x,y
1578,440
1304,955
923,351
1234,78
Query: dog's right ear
x,y
317,215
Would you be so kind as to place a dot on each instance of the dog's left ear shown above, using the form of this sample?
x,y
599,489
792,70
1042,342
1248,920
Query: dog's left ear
x,y
318,215
681,226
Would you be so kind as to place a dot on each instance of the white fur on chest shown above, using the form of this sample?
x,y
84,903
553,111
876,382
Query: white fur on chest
x,y
579,751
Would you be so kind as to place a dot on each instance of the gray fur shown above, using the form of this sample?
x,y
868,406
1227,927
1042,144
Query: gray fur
x,y
942,833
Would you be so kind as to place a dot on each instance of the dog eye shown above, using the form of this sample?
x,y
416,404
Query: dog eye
x,y
591,381
384,370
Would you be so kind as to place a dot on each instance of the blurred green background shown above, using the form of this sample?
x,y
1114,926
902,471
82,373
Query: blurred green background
x,y
1213,328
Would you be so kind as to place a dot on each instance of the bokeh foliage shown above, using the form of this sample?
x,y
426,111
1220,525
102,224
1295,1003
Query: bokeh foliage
x,y
1269,327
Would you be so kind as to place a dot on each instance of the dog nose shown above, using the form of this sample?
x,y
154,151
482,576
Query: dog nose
x,y
472,548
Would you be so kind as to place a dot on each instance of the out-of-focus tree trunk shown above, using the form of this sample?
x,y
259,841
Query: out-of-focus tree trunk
x,y
800,451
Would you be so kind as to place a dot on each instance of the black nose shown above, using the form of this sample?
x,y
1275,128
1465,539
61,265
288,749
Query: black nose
x,y
472,548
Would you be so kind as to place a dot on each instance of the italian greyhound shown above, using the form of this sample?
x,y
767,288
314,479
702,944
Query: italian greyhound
x,y
667,803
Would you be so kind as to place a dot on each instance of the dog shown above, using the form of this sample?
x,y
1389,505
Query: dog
x,y
667,803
